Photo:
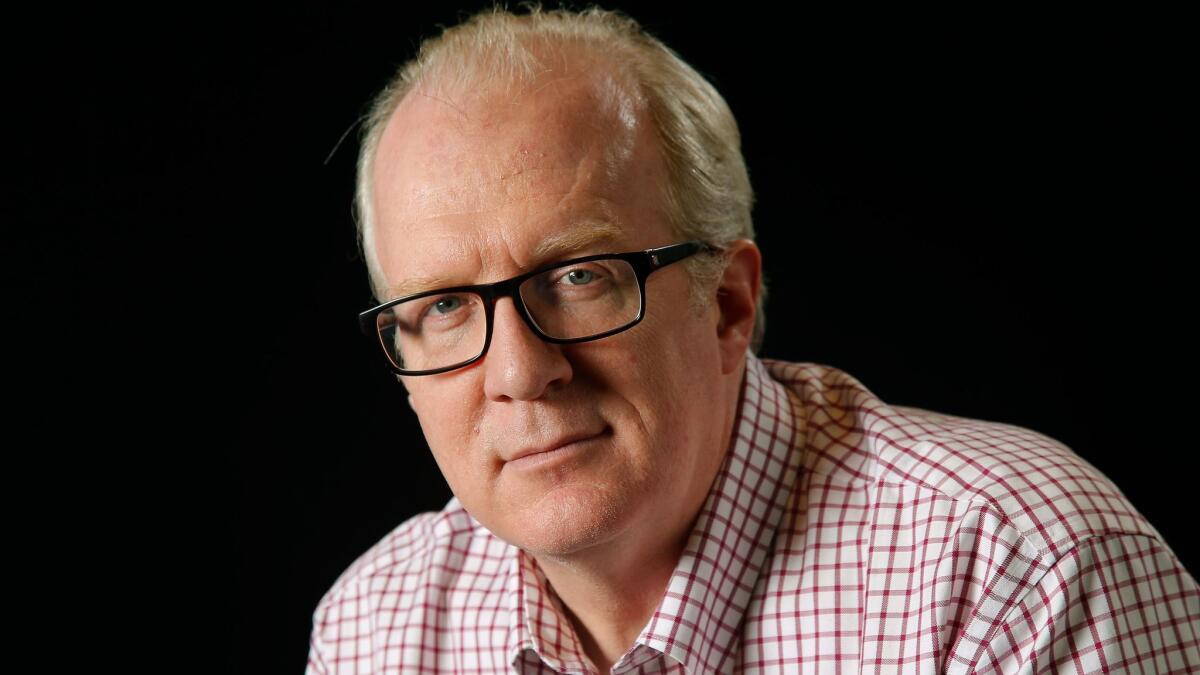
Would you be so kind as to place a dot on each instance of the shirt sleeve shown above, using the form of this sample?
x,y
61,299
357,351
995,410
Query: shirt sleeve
x,y
1115,603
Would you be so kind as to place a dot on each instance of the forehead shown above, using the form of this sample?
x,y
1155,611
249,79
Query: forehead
x,y
476,183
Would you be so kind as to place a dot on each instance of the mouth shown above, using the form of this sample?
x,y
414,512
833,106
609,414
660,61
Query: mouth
x,y
559,448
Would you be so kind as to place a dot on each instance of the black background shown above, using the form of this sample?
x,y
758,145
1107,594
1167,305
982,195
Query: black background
x,y
973,213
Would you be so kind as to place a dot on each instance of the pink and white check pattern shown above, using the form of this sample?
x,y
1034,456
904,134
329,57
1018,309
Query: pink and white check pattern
x,y
841,534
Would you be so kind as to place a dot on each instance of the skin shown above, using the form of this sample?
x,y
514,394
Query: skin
x,y
469,188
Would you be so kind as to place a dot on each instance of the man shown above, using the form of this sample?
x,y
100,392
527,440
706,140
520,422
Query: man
x,y
556,218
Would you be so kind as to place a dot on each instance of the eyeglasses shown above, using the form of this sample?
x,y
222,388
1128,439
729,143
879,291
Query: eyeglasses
x,y
573,301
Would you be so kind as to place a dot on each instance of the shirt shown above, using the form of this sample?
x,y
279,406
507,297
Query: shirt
x,y
841,534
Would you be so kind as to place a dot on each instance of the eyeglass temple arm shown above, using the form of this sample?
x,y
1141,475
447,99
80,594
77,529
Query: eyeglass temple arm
x,y
661,257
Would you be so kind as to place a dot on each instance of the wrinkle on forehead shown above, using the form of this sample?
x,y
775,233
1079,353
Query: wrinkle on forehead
x,y
477,194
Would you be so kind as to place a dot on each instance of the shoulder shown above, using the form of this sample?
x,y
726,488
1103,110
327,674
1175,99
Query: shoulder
x,y
1050,494
435,577
1033,483
1000,536
430,552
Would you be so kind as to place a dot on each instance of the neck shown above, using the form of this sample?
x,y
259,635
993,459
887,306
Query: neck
x,y
610,593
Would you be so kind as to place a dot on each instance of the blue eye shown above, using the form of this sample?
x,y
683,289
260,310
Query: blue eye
x,y
579,277
447,304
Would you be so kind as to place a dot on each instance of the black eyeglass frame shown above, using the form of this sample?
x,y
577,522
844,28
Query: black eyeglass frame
x,y
644,263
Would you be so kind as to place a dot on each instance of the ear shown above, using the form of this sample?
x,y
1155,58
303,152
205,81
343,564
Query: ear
x,y
737,301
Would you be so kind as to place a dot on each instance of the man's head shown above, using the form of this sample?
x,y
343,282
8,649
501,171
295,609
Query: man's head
x,y
708,193
534,150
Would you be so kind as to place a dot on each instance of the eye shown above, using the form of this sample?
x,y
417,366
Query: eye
x,y
579,277
447,304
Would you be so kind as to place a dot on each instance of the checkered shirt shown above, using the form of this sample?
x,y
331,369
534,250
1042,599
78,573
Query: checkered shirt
x,y
842,534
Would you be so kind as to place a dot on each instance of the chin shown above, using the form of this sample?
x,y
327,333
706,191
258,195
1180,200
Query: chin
x,y
569,521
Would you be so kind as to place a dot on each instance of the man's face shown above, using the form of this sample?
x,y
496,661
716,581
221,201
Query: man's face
x,y
478,189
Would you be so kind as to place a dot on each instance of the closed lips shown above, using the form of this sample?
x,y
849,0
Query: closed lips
x,y
565,440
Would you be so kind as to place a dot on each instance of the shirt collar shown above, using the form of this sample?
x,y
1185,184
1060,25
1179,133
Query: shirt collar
x,y
698,620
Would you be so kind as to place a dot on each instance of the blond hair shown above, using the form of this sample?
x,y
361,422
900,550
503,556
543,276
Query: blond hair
x,y
708,194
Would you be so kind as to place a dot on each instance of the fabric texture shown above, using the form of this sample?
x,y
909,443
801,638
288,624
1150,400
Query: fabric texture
x,y
842,534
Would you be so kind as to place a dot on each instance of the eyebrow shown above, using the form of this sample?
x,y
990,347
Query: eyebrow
x,y
417,285
584,235
588,233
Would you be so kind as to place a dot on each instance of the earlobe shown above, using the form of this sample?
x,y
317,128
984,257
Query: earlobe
x,y
737,299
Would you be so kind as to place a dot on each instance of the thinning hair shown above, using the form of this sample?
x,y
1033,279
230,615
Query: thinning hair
x,y
708,194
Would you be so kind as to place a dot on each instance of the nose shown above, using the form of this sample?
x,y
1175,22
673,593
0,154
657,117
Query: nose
x,y
519,365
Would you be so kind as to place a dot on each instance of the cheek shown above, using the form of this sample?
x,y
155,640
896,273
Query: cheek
x,y
676,352
679,374
449,419
653,377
